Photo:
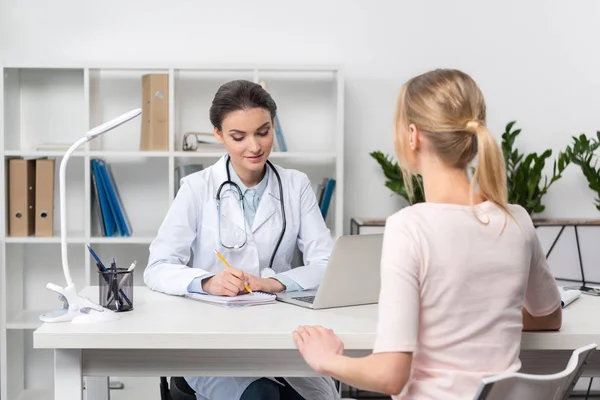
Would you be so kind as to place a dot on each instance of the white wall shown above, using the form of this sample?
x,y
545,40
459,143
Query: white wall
x,y
536,62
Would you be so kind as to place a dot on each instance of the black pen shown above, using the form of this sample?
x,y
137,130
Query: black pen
x,y
115,284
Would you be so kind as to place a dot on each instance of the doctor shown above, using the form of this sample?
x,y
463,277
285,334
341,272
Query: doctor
x,y
254,213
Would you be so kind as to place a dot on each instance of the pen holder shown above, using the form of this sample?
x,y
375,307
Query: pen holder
x,y
116,289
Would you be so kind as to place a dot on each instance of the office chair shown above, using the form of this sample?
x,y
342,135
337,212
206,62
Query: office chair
x,y
517,386
178,389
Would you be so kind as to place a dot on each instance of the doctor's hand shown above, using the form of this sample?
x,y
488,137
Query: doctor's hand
x,y
228,282
318,346
268,285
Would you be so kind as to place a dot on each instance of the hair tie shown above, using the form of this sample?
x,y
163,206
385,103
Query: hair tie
x,y
473,124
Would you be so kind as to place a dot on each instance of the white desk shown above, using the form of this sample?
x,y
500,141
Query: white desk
x,y
162,337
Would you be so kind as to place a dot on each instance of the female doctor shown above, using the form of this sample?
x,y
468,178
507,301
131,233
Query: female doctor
x,y
252,212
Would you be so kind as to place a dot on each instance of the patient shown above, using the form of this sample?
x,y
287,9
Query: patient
x,y
461,274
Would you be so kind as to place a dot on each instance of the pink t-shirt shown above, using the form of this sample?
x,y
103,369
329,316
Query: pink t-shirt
x,y
452,290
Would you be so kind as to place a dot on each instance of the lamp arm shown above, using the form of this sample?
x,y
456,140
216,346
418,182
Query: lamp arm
x,y
76,308
63,207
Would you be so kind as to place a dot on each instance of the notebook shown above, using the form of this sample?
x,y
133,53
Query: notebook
x,y
242,300
568,296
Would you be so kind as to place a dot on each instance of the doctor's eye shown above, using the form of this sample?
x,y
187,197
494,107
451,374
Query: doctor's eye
x,y
265,133
237,138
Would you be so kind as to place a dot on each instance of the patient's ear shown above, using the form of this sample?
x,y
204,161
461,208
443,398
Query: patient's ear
x,y
414,137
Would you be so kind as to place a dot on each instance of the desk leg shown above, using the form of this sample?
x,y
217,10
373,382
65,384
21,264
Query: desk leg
x,y
555,240
67,374
97,388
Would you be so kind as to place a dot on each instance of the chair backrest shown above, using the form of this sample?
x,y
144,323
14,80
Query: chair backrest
x,y
516,385
178,390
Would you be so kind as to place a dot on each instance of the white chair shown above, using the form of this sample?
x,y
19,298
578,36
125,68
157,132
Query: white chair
x,y
518,386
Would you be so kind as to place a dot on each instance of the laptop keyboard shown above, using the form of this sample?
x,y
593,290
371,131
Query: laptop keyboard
x,y
306,299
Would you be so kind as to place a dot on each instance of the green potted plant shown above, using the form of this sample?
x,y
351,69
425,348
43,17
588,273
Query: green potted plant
x,y
395,180
582,154
526,181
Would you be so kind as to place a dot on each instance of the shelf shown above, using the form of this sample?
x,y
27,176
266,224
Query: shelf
x,y
141,239
128,153
74,238
27,319
44,153
93,153
312,156
36,394
275,155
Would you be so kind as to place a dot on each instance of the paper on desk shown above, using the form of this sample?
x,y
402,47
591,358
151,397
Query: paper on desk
x,y
568,296
241,300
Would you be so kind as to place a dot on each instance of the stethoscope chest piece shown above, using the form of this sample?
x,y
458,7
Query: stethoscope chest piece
x,y
267,273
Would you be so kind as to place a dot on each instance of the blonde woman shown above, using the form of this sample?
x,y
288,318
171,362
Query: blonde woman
x,y
461,274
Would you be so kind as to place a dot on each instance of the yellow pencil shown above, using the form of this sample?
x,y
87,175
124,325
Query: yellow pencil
x,y
227,264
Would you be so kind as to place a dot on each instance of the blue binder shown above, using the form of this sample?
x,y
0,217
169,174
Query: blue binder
x,y
127,223
279,135
112,200
107,216
327,193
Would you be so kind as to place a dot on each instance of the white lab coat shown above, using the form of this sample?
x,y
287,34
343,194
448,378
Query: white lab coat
x,y
191,224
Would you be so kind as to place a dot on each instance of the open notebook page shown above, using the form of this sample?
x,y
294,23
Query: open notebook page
x,y
235,301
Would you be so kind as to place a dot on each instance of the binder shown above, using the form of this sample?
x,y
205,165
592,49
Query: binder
x,y
185,170
155,112
110,197
21,197
126,222
327,194
110,224
114,199
96,199
44,197
321,191
279,135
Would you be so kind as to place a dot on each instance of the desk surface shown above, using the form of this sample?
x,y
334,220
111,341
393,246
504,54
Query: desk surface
x,y
161,321
536,221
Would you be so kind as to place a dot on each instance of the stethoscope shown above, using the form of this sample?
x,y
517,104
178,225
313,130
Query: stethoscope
x,y
241,200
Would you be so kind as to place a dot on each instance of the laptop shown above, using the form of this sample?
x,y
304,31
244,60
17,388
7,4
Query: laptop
x,y
351,277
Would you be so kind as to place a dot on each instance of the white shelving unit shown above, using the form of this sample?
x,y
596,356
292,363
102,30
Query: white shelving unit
x,y
58,104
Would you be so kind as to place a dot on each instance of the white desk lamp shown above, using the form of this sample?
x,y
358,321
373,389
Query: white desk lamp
x,y
76,308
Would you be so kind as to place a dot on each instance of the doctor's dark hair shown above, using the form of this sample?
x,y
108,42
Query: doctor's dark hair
x,y
239,95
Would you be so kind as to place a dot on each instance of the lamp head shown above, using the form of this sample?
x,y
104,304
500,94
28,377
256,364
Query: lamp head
x,y
107,126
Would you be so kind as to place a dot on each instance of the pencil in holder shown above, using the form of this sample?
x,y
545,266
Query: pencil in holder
x,y
116,289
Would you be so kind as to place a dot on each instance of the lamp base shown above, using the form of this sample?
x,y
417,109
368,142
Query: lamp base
x,y
94,317
77,309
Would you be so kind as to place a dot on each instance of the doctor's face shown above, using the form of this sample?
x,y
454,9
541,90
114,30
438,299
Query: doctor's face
x,y
248,137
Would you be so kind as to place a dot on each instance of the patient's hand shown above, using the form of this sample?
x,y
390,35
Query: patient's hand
x,y
318,345
268,285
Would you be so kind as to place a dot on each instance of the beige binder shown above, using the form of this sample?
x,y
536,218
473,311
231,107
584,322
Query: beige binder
x,y
21,197
44,197
155,112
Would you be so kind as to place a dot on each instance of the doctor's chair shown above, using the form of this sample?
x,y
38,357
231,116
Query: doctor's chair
x,y
178,389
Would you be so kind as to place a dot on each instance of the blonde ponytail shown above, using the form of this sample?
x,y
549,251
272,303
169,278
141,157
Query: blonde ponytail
x,y
490,173
449,110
